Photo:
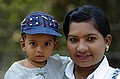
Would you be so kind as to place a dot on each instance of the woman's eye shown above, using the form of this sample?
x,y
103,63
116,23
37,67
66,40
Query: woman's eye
x,y
33,44
74,40
47,44
91,38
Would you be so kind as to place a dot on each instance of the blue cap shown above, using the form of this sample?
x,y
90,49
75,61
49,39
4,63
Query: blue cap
x,y
40,23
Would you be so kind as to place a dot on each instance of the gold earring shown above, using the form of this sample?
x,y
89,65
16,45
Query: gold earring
x,y
107,47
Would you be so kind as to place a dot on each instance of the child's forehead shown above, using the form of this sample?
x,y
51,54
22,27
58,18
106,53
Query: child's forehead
x,y
42,37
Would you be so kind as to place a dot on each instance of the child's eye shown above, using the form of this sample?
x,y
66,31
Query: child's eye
x,y
33,44
47,43
91,38
74,40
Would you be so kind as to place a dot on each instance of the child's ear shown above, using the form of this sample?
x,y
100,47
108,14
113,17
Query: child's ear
x,y
22,44
55,46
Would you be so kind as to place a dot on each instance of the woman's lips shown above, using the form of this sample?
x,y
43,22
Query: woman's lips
x,y
83,57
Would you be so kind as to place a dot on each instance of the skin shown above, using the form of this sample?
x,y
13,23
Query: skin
x,y
38,48
86,46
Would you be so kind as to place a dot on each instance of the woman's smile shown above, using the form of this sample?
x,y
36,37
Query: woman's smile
x,y
83,57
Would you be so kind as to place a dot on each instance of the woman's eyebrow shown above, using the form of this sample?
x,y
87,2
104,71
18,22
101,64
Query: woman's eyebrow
x,y
72,36
85,35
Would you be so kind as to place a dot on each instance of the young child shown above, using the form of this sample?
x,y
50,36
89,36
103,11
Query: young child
x,y
39,31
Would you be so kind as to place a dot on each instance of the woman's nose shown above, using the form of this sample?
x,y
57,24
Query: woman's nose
x,y
82,46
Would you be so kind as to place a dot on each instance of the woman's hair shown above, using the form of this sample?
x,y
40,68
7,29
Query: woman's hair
x,y
87,13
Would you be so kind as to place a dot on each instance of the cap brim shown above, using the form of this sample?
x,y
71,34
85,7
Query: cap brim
x,y
42,30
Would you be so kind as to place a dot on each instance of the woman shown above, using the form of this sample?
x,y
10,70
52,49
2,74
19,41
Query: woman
x,y
88,37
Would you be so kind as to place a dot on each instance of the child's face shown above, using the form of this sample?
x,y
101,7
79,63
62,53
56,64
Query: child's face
x,y
38,47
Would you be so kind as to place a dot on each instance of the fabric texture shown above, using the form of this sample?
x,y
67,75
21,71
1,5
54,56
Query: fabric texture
x,y
40,23
54,69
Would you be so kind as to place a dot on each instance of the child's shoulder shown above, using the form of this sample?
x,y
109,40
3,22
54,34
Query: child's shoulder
x,y
58,63
21,62
13,70
60,59
16,65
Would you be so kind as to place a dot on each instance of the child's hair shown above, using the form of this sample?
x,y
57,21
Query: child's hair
x,y
39,23
23,35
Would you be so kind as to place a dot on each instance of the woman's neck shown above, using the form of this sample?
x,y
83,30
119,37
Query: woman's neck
x,y
83,72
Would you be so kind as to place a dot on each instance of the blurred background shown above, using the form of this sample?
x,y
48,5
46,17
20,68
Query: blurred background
x,y
12,12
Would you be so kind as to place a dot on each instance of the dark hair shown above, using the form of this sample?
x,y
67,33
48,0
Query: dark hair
x,y
23,35
87,13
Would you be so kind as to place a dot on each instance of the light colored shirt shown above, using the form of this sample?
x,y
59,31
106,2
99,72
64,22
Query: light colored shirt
x,y
54,69
104,71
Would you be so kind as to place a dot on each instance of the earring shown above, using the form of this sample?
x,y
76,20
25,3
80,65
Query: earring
x,y
107,47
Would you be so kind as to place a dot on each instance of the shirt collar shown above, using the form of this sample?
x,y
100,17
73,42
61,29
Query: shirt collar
x,y
69,70
102,69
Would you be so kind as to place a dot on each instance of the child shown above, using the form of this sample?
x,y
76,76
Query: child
x,y
39,31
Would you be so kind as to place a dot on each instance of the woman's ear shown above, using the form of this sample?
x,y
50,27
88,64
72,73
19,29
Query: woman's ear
x,y
108,39
22,44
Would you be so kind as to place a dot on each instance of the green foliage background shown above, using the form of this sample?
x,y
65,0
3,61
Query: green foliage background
x,y
12,12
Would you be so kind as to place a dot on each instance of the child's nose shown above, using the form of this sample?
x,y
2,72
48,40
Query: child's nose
x,y
39,49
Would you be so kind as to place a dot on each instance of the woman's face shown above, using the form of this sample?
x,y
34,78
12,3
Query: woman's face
x,y
85,44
